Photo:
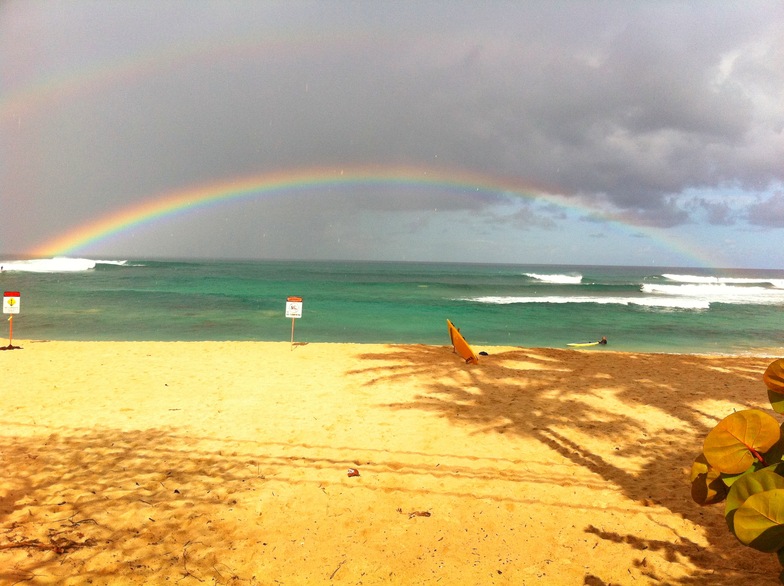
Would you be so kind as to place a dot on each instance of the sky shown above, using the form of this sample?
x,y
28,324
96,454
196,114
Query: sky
x,y
537,132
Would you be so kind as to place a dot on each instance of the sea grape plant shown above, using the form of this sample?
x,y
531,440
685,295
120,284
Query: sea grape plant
x,y
741,461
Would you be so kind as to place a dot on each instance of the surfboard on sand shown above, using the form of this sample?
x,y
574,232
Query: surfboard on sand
x,y
461,346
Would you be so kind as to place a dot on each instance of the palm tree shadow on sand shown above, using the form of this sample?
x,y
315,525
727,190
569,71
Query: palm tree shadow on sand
x,y
555,396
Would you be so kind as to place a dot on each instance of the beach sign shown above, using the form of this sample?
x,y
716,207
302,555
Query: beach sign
x,y
294,307
11,302
294,311
11,305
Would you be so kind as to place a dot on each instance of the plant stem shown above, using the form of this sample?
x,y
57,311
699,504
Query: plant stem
x,y
757,455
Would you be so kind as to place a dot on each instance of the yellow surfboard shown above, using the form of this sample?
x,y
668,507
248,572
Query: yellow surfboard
x,y
461,346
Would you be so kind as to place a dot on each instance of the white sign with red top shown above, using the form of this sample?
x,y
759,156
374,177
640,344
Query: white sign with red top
x,y
11,302
294,307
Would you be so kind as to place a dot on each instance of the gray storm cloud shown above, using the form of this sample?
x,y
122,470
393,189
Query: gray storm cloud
x,y
625,106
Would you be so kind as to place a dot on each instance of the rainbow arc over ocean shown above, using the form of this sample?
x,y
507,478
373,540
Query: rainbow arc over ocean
x,y
189,199
281,183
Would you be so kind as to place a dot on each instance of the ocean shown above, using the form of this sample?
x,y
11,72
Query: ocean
x,y
679,310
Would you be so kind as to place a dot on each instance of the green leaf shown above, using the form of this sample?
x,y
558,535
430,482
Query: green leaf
x,y
706,483
775,454
759,522
730,479
776,401
740,439
748,485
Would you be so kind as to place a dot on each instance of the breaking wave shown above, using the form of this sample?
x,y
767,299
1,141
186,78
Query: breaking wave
x,y
556,279
720,293
697,279
663,302
55,265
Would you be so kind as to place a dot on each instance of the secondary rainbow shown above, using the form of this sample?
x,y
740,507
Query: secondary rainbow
x,y
280,183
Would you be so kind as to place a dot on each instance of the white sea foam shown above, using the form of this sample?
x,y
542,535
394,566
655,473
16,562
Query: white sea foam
x,y
651,301
58,264
720,292
556,279
112,262
698,279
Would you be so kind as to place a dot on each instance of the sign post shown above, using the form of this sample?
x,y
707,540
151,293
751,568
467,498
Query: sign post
x,y
11,304
294,311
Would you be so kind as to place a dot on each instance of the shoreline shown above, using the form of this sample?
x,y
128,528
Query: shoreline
x,y
229,462
771,352
519,305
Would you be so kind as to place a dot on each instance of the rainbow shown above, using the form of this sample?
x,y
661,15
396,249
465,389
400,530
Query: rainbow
x,y
128,69
187,200
190,199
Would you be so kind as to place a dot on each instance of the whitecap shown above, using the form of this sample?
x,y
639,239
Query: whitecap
x,y
58,264
719,292
708,280
663,302
556,279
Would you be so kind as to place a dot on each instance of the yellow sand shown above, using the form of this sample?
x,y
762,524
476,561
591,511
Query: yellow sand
x,y
227,463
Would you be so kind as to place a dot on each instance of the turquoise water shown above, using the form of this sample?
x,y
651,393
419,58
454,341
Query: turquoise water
x,y
638,309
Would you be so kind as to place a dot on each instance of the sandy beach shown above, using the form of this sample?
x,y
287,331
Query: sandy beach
x,y
229,463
